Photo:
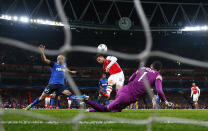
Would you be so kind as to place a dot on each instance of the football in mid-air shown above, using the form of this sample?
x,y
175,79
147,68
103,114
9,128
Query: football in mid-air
x,y
102,48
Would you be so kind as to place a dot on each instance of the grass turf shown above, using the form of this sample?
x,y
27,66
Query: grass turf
x,y
130,114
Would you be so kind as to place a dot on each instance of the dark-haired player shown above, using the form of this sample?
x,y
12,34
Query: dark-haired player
x,y
134,90
116,74
57,80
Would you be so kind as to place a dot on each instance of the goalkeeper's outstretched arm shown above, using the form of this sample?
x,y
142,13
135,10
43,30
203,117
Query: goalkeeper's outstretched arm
x,y
158,86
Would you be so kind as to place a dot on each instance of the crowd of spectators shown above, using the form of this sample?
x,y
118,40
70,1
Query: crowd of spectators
x,y
19,98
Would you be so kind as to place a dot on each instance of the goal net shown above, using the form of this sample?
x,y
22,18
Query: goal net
x,y
68,47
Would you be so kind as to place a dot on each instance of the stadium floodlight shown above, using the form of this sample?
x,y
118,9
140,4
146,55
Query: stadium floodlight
x,y
41,21
61,24
24,19
35,21
31,21
15,18
2,17
195,28
47,22
7,17
57,23
53,23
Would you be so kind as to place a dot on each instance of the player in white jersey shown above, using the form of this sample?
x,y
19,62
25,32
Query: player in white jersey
x,y
69,102
195,92
47,101
116,74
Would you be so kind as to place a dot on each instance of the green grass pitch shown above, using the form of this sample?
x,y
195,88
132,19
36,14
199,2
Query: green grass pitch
x,y
130,114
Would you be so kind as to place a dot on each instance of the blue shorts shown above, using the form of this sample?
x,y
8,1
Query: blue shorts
x,y
54,88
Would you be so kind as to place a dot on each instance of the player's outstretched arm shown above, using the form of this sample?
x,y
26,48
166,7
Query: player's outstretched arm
x,y
70,71
42,48
158,85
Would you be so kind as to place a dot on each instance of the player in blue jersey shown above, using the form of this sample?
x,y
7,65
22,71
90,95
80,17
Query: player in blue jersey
x,y
156,102
57,80
103,83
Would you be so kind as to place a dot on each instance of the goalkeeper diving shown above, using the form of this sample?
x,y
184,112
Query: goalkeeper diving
x,y
133,91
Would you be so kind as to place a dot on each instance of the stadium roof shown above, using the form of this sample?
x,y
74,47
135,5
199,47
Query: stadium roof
x,y
163,15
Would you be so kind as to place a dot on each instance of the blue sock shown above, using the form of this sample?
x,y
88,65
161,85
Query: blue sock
x,y
52,101
72,98
35,102
106,102
58,103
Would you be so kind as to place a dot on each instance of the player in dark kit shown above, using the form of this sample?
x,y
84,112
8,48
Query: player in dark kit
x,y
134,90
103,83
57,80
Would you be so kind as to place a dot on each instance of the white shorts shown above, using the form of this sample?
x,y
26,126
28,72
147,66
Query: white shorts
x,y
154,103
195,97
69,103
118,78
47,101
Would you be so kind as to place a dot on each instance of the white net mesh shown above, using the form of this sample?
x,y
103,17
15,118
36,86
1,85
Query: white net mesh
x,y
67,47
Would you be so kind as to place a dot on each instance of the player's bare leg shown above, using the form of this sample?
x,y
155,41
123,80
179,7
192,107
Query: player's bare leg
x,y
58,102
120,83
66,92
70,95
42,97
118,87
196,104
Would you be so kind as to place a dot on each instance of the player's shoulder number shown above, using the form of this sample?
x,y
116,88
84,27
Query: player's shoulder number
x,y
142,76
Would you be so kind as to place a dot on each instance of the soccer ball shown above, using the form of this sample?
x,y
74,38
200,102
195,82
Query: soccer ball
x,y
102,48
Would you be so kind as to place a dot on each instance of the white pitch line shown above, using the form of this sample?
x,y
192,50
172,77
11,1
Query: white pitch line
x,y
164,120
57,122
